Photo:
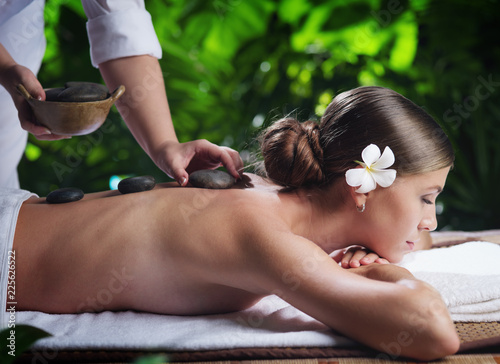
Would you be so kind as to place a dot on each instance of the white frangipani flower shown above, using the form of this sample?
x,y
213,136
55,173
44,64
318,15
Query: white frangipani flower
x,y
374,170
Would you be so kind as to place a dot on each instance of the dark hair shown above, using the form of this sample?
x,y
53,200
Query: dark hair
x,y
307,154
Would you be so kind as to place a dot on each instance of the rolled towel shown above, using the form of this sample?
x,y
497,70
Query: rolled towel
x,y
467,276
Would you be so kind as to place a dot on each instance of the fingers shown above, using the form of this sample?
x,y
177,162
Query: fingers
x,y
33,86
30,127
52,137
337,255
201,154
181,177
40,132
22,75
215,155
173,157
179,159
179,173
231,159
346,259
369,259
382,261
355,257
27,121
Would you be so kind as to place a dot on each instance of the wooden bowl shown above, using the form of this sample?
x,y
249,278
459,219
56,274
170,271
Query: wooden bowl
x,y
71,118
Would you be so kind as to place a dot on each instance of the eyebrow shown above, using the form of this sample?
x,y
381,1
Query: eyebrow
x,y
438,189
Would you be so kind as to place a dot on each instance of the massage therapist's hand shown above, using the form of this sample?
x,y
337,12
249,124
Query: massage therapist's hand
x,y
355,257
179,159
13,74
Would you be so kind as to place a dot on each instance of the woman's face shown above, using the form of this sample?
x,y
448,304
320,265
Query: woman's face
x,y
398,214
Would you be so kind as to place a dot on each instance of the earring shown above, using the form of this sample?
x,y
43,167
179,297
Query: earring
x,y
361,209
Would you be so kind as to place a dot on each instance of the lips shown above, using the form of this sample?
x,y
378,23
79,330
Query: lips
x,y
410,244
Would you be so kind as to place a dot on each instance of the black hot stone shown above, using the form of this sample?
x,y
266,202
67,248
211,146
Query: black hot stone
x,y
53,93
136,184
82,92
211,178
63,195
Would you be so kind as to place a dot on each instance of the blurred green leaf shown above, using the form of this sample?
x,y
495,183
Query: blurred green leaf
x,y
32,152
405,46
152,359
17,340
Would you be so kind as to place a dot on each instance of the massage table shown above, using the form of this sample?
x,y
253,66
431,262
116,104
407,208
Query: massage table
x,y
277,333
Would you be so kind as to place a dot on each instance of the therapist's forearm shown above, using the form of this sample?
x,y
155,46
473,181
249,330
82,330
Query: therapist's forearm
x,y
6,61
143,106
7,70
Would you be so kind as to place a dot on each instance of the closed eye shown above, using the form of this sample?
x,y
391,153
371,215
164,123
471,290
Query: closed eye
x,y
433,195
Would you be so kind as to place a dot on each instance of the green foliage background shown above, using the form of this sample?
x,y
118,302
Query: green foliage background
x,y
232,66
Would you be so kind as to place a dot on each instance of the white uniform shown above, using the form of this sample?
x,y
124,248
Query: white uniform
x,y
21,33
116,28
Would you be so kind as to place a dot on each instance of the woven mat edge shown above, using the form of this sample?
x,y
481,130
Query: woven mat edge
x,y
490,346
271,353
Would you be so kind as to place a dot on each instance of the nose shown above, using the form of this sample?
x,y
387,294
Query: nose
x,y
428,222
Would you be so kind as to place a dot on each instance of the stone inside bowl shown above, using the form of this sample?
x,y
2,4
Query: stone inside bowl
x,y
79,108
77,92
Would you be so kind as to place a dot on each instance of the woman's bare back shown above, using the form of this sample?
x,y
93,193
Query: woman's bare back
x,y
169,250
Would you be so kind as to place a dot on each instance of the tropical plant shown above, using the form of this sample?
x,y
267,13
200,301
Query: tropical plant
x,y
232,66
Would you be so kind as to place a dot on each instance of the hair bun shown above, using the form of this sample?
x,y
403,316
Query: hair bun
x,y
292,153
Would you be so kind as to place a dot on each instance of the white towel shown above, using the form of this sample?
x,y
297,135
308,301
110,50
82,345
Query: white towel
x,y
466,275
270,323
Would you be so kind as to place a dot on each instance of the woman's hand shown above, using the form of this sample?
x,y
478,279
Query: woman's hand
x,y
13,74
355,257
180,159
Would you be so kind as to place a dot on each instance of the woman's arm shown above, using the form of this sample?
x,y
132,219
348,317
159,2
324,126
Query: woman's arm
x,y
144,107
382,306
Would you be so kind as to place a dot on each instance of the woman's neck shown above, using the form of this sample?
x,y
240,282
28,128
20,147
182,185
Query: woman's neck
x,y
320,216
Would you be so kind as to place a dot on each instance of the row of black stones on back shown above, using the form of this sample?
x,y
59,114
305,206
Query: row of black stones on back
x,y
127,185
208,178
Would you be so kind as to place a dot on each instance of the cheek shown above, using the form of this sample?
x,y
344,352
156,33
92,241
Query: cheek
x,y
400,216
393,220
403,228
390,229
389,218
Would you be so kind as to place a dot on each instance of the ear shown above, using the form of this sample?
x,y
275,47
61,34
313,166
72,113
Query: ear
x,y
358,198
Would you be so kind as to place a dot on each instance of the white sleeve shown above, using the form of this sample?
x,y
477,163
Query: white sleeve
x,y
119,28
